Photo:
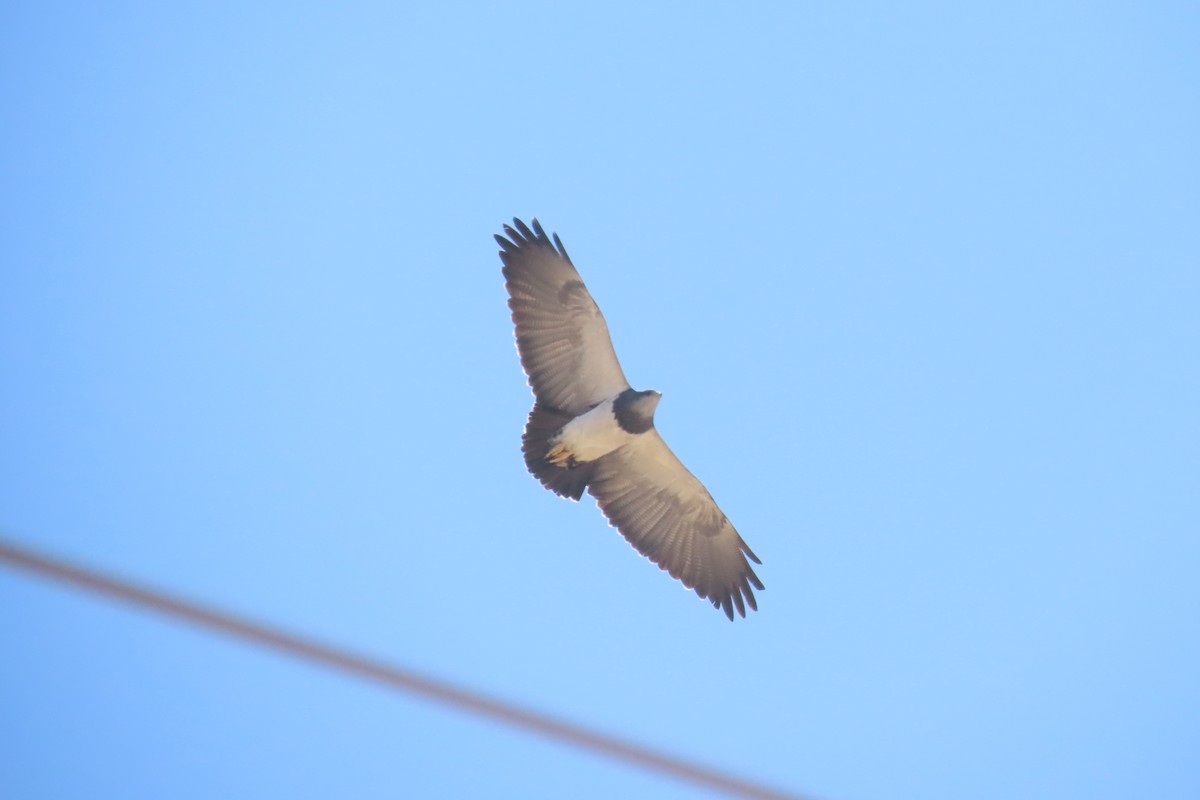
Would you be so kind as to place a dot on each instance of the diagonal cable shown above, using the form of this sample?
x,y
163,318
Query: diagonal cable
x,y
394,677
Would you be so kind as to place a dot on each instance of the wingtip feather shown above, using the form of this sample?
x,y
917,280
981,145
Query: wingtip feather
x,y
524,229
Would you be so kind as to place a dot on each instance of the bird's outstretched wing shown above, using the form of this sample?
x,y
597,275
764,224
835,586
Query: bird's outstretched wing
x,y
667,514
561,334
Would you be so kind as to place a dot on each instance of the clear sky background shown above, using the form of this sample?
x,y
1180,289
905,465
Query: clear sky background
x,y
919,283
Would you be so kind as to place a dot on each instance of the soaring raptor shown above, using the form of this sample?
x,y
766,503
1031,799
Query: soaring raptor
x,y
589,430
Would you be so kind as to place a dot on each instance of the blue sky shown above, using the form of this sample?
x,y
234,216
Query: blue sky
x,y
918,282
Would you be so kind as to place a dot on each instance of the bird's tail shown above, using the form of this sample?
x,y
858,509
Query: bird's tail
x,y
544,422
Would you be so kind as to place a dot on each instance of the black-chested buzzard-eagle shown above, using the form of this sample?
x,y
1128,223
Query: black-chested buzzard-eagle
x,y
589,430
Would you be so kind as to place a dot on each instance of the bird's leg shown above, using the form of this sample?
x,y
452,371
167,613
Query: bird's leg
x,y
560,456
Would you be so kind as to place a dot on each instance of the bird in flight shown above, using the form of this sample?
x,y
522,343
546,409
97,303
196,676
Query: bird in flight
x,y
589,430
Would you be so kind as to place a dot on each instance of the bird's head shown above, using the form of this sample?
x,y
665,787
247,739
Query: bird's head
x,y
635,410
645,402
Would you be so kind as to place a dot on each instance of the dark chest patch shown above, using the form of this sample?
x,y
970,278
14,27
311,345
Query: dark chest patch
x,y
635,410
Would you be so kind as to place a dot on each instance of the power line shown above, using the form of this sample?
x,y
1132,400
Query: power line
x,y
366,668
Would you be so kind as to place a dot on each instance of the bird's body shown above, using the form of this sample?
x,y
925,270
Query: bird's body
x,y
589,430
589,436
613,423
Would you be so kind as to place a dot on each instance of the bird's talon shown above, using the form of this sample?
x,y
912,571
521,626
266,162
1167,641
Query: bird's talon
x,y
558,455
